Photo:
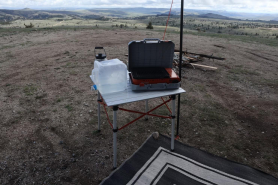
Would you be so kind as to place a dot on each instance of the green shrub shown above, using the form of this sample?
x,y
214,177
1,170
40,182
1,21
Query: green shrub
x,y
29,26
149,26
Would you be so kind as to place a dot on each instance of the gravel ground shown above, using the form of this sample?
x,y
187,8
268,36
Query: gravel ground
x,y
49,115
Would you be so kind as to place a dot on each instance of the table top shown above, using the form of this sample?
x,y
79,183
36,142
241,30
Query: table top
x,y
128,96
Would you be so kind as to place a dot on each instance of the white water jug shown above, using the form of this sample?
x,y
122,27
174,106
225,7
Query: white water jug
x,y
110,76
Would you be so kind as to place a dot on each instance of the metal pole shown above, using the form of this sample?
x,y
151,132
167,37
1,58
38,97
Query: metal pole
x,y
173,122
98,110
146,109
181,42
115,130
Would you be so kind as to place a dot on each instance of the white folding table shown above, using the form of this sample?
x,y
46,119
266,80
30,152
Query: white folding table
x,y
128,96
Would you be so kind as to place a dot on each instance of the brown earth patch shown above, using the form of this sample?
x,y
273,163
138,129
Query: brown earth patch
x,y
49,115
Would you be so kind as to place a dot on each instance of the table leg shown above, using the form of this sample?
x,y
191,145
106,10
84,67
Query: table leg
x,y
173,122
146,109
115,130
98,110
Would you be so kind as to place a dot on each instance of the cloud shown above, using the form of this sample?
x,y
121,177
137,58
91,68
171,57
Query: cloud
x,y
265,6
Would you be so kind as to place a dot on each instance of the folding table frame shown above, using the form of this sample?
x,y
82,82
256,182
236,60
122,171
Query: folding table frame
x,y
128,96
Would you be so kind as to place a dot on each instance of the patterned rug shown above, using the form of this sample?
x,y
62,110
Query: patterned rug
x,y
154,163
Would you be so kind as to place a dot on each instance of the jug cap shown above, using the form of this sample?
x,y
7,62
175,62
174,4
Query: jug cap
x,y
100,56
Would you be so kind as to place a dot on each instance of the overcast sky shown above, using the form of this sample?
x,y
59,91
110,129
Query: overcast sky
x,y
260,6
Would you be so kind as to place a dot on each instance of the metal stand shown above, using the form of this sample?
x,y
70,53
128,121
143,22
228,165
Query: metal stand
x,y
181,43
173,122
115,130
98,110
146,110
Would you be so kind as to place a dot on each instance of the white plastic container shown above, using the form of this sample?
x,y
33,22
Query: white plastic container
x,y
110,76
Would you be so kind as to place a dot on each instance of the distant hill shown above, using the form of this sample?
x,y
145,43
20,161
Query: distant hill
x,y
26,9
27,13
129,12
141,11
213,16
16,14
109,12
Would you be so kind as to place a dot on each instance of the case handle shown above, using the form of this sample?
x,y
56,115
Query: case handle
x,y
151,87
152,40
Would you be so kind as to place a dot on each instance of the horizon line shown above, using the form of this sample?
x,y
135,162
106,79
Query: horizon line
x,y
86,8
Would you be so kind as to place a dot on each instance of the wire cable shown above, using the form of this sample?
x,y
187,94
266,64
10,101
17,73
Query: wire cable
x,y
168,19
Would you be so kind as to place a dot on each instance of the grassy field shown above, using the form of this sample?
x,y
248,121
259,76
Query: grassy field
x,y
246,31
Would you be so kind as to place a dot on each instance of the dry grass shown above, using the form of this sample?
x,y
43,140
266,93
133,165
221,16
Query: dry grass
x,y
49,118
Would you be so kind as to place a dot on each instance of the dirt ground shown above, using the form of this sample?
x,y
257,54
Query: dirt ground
x,y
48,114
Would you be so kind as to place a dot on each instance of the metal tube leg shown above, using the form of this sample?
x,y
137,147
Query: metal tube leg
x,y
115,129
146,110
173,122
98,110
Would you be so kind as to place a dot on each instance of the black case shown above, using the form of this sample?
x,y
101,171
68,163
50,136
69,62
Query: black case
x,y
151,53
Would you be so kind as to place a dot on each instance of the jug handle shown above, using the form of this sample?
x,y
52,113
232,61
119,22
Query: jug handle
x,y
99,48
93,75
